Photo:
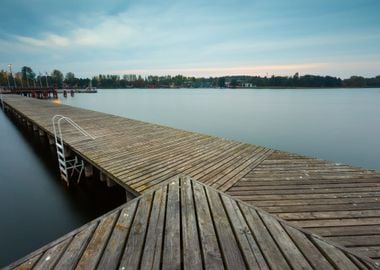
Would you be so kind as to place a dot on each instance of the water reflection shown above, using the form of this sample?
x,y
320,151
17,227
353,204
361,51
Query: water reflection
x,y
35,205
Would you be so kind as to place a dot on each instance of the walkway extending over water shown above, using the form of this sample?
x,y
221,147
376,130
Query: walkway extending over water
x,y
140,155
186,225
338,201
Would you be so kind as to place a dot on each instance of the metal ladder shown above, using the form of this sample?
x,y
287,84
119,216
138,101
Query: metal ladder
x,y
65,166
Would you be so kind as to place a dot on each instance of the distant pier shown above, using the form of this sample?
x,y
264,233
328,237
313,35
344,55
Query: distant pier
x,y
339,202
35,92
45,92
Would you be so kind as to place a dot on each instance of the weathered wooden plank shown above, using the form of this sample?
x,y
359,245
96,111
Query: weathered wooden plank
x,y
269,248
356,240
231,251
192,258
113,251
313,255
136,239
151,258
52,255
285,243
95,247
359,263
329,214
75,249
347,230
351,206
337,257
171,257
249,247
358,189
28,264
209,243
337,222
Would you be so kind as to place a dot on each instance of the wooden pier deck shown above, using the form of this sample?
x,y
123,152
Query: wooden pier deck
x,y
184,224
337,201
139,155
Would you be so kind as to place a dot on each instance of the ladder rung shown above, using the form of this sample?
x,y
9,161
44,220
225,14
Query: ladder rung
x,y
61,154
59,146
62,162
74,166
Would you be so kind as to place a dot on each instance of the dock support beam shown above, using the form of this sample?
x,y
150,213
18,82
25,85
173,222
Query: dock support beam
x,y
88,170
67,152
110,182
128,196
35,128
51,140
41,132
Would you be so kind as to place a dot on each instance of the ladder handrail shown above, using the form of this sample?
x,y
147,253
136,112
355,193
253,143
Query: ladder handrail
x,y
70,121
61,150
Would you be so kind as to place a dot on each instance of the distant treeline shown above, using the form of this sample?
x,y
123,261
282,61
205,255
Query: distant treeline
x,y
28,78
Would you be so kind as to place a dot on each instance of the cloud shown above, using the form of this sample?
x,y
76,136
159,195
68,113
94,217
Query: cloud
x,y
190,38
49,40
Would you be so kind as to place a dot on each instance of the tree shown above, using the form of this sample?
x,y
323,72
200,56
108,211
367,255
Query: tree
x,y
4,78
355,81
178,80
222,82
70,79
57,78
27,74
234,83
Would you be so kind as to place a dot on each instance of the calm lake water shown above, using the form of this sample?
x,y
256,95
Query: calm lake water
x,y
341,125
35,206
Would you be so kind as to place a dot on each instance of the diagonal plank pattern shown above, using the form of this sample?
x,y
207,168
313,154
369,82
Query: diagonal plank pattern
x,y
140,155
336,201
187,225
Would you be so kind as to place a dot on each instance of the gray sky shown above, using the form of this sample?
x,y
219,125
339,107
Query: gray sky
x,y
201,38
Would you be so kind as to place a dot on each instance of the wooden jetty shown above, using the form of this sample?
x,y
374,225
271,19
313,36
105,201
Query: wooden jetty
x,y
184,224
337,201
27,90
35,92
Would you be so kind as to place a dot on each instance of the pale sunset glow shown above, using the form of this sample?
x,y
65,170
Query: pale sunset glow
x,y
224,71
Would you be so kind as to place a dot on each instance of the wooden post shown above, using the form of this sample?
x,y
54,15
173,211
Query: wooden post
x,y
67,152
35,128
51,140
102,177
41,132
88,170
110,182
128,196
